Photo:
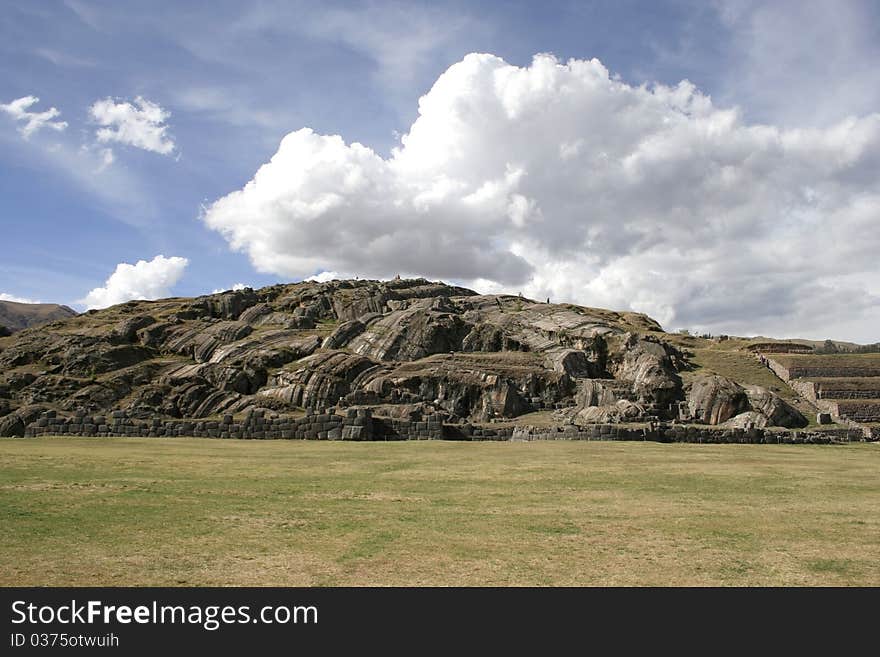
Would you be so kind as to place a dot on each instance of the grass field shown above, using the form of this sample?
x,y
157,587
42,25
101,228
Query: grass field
x,y
828,360
830,365
116,511
854,383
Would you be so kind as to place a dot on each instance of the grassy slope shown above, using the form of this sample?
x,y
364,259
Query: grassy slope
x,y
729,359
740,366
828,360
183,511
16,316
853,383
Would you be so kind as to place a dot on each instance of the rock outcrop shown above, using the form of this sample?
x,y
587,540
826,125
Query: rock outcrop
x,y
395,349
779,413
715,400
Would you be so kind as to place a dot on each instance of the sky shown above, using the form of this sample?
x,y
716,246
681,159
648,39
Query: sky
x,y
713,164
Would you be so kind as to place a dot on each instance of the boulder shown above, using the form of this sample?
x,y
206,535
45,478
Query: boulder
x,y
11,425
715,399
649,364
779,413
127,329
573,362
15,423
621,411
747,420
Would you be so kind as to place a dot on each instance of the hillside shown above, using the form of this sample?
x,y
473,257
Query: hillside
x,y
372,360
17,316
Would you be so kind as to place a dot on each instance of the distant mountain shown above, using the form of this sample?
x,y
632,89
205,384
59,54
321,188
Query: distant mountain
x,y
17,316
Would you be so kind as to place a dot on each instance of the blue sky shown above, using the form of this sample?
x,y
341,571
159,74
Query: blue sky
x,y
234,78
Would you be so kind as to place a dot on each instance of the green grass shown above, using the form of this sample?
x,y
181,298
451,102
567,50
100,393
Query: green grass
x,y
739,366
115,511
828,360
840,383
745,369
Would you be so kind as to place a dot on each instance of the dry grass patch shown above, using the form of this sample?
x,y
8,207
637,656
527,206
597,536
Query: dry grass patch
x,y
210,512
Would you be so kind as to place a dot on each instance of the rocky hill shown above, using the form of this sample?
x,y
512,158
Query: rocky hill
x,y
16,316
401,349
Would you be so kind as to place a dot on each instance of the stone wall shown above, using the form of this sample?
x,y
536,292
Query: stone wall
x,y
816,391
826,390
254,425
417,427
859,410
819,372
670,433
358,424
778,368
851,410
829,372
848,394
806,389
780,348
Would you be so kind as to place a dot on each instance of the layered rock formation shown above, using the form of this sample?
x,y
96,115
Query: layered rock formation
x,y
393,348
718,400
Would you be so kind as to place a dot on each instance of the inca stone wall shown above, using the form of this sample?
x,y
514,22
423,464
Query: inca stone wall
x,y
859,410
254,425
819,372
831,393
845,403
358,424
779,369
806,389
689,434
417,427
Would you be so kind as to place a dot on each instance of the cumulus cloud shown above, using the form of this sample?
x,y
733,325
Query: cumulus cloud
x,y
792,80
558,179
144,280
141,124
15,299
234,288
33,121
325,276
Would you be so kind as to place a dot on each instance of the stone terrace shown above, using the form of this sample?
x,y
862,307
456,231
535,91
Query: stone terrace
x,y
845,385
359,424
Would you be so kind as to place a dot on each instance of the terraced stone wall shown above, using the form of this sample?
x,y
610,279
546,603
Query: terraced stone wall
x,y
859,410
358,424
255,425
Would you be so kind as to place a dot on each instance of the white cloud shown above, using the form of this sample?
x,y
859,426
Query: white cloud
x,y
15,299
236,287
141,124
119,192
33,121
399,42
792,80
144,280
64,59
107,158
227,105
325,276
560,180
